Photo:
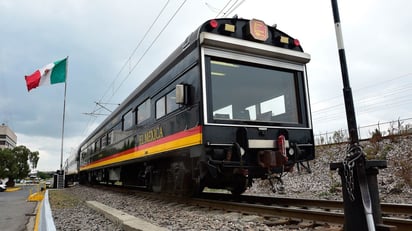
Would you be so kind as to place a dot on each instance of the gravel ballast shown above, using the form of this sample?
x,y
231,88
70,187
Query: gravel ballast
x,y
70,211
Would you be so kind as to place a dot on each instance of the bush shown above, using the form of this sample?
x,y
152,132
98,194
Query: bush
x,y
404,169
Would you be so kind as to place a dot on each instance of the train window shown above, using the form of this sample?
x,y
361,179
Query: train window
x,y
171,101
97,145
128,120
166,104
104,141
171,104
160,107
143,111
91,148
109,137
251,92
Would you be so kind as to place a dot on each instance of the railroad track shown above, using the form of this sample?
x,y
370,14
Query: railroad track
x,y
399,215
287,211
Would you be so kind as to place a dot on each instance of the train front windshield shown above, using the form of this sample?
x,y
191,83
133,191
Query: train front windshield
x,y
253,93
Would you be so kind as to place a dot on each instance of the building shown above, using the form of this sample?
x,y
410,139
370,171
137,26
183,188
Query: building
x,y
8,138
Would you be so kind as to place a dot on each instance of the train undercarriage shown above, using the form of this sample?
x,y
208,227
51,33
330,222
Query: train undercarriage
x,y
220,168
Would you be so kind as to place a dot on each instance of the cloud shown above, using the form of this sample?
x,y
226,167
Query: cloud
x,y
99,37
49,149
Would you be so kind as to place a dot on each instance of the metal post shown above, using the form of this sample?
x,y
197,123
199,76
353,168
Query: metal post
x,y
347,91
64,115
354,176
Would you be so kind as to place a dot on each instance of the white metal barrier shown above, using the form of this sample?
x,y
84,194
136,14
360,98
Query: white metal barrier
x,y
45,221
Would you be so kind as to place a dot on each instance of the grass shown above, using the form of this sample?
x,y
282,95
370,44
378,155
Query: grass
x,y
60,199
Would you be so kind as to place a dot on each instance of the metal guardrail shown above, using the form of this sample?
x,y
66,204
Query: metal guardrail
x,y
44,218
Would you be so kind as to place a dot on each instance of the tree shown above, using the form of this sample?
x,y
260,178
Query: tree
x,y
45,175
14,163
34,159
5,156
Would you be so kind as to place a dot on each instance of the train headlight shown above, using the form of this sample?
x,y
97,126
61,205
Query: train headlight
x,y
291,151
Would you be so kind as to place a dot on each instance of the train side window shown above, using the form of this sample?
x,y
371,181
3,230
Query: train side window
x,y
104,141
91,148
171,104
109,137
160,107
97,145
143,111
128,120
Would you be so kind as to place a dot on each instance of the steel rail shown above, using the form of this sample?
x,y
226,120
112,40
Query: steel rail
x,y
318,211
309,209
387,208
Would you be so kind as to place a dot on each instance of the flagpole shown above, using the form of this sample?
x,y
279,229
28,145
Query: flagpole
x,y
64,115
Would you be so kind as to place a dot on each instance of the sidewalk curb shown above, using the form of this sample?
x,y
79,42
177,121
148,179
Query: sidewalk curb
x,y
128,222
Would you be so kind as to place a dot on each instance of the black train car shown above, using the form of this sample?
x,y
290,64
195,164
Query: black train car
x,y
230,104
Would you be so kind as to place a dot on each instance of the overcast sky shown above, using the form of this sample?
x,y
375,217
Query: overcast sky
x,y
100,38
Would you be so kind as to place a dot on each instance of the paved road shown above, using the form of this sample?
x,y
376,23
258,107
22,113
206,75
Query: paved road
x,y
15,211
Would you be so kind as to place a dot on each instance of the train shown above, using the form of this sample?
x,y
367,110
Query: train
x,y
230,105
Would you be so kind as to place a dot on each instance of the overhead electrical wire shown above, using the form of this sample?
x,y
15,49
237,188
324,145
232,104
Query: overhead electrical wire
x,y
220,12
392,92
389,98
230,11
382,106
135,49
133,53
225,12
150,46
368,100
96,108
365,87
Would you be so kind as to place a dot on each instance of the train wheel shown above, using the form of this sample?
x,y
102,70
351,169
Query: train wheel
x,y
196,187
239,185
158,180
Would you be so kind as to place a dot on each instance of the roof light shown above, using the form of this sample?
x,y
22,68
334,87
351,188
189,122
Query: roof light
x,y
284,39
229,28
213,24
296,42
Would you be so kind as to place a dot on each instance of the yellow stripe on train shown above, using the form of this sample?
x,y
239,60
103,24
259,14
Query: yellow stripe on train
x,y
163,147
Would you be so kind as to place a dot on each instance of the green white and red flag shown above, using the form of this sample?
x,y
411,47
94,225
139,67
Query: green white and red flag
x,y
52,73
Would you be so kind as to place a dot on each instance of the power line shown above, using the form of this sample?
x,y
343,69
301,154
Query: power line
x,y
150,46
365,87
223,8
134,51
230,11
96,108
231,8
383,102
394,90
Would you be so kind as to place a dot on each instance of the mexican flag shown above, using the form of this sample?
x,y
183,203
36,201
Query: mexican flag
x,y
52,73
